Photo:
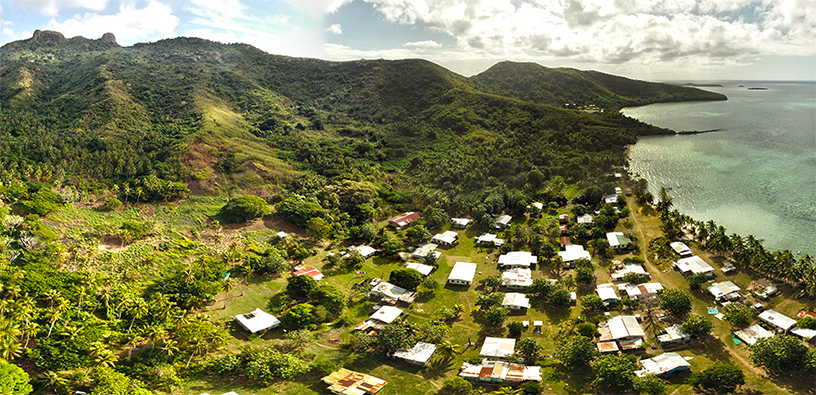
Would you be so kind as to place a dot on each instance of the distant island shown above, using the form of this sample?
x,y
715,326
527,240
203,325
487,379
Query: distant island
x,y
757,88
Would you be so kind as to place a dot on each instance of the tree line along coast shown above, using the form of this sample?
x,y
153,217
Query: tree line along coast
x,y
172,225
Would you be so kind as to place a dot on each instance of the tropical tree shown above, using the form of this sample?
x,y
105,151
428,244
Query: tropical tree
x,y
650,384
13,380
696,325
529,349
780,353
613,373
721,377
447,350
577,351
675,301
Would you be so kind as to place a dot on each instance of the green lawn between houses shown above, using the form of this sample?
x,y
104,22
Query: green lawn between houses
x,y
189,218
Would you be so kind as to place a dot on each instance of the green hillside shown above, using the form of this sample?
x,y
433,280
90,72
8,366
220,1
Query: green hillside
x,y
576,88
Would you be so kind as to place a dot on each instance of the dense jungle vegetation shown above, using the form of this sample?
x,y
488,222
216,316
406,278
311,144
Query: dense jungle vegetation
x,y
131,178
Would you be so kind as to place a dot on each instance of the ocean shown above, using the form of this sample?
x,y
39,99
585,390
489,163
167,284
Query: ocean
x,y
756,175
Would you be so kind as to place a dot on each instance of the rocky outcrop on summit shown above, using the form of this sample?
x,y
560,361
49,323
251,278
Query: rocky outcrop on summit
x,y
48,35
108,38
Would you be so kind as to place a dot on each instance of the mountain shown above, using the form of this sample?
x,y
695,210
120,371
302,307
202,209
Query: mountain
x,y
576,88
178,108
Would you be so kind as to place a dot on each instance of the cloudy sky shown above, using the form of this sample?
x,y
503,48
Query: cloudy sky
x,y
645,39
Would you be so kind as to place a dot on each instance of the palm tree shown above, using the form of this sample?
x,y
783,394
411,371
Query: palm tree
x,y
53,380
10,348
226,286
447,350
52,296
138,310
187,276
104,358
507,391
169,347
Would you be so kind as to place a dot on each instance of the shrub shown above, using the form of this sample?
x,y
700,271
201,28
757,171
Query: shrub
x,y
244,208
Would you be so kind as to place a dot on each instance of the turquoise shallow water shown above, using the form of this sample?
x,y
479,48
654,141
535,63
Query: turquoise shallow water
x,y
757,176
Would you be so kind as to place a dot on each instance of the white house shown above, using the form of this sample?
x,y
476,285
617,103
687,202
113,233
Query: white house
x,y
665,363
500,372
502,222
694,265
386,314
572,253
517,278
256,321
673,336
724,291
364,250
462,273
681,249
630,268
636,291
780,321
422,268
537,206
516,301
420,354
489,238
623,329
584,219
498,347
751,334
447,238
460,223
607,293
517,259
386,291
618,242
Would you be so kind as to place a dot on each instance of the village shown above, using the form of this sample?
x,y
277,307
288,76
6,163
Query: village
x,y
621,301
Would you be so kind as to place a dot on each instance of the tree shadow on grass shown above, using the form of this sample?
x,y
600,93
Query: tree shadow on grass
x,y
577,380
439,367
796,382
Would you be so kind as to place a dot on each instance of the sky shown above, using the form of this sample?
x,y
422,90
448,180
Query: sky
x,y
668,40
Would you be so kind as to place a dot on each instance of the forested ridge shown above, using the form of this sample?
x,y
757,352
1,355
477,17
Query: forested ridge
x,y
143,189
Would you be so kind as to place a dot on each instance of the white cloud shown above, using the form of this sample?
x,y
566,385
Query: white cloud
x,y
423,44
129,24
53,7
318,8
223,37
335,29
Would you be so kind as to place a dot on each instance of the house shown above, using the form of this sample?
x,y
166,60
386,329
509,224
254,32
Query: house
x,y
389,293
619,242
630,268
364,250
779,321
460,223
500,372
563,218
281,235
637,291
665,363
424,269
751,334
423,251
585,219
536,206
564,229
618,191
611,199
447,238
419,355
606,347
516,301
573,253
256,321
681,249
517,259
673,336
503,222
348,382
806,334
498,347
763,288
309,271
694,265
489,239
607,293
403,221
724,291
517,278
728,267
462,273
386,314
623,329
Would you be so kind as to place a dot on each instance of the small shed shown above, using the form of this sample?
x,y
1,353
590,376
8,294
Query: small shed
x,y
422,268
404,220
673,336
460,223
348,382
311,272
681,249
